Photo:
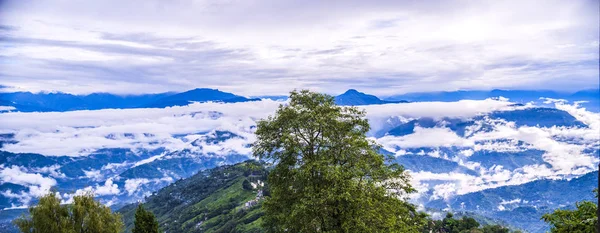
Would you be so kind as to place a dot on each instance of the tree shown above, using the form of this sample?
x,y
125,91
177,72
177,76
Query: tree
x,y
466,224
84,215
246,185
328,176
463,225
89,215
495,229
47,216
145,221
582,219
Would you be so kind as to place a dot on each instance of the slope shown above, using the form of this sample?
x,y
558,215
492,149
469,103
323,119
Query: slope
x,y
223,199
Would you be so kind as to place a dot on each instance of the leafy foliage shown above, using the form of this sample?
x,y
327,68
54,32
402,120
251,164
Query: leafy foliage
x,y
246,185
145,221
329,177
84,215
465,225
582,219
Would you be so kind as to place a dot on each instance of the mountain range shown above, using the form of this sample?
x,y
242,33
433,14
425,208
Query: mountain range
x,y
591,96
353,97
48,102
517,95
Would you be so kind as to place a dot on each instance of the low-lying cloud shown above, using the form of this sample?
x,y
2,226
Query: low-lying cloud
x,y
567,152
36,183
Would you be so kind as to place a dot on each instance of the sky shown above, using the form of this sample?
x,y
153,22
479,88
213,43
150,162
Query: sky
x,y
257,47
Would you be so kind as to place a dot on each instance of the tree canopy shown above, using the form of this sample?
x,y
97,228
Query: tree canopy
x,y
464,225
329,177
582,219
145,221
84,215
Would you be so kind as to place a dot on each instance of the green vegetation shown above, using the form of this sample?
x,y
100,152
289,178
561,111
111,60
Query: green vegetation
x,y
582,219
145,221
463,225
210,201
328,176
197,206
84,215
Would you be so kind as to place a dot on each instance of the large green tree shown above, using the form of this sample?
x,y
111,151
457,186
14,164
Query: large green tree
x,y
582,219
47,216
329,177
85,215
145,221
464,225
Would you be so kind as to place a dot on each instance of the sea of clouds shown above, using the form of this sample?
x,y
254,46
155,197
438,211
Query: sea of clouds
x,y
79,133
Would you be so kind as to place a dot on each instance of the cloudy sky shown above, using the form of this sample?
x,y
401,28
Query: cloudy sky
x,y
255,47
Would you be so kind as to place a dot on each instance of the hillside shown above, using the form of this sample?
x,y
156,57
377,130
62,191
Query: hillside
x,y
523,205
227,199
215,200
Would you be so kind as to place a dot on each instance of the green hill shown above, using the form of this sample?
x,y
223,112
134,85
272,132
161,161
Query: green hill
x,y
223,199
226,199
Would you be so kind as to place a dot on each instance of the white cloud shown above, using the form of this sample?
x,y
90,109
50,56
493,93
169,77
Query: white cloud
x,y
425,137
111,166
79,133
95,175
566,150
563,156
6,108
460,109
459,183
149,160
272,46
443,191
36,183
589,118
131,185
108,188
504,202
52,170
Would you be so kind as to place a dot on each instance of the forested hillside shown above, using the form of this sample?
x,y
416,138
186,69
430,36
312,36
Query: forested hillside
x,y
228,199
224,199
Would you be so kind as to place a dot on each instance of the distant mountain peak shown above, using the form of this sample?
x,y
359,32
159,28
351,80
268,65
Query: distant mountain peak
x,y
352,91
203,89
354,97
198,95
